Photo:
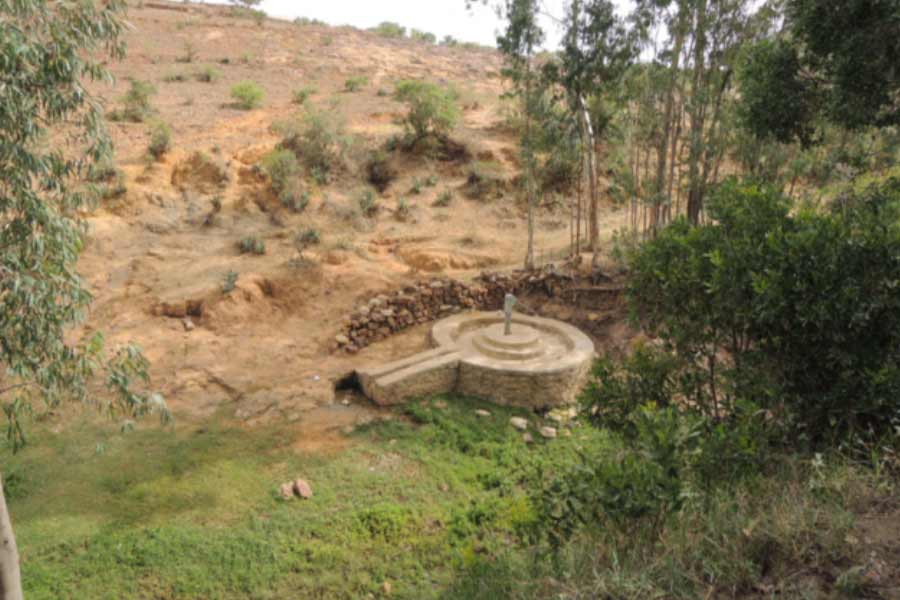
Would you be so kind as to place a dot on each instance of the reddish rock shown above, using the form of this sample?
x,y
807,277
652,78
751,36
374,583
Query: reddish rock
x,y
303,489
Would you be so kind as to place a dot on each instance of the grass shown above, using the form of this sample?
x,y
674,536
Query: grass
x,y
426,504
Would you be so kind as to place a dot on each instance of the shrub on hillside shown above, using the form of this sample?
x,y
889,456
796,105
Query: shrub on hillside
x,y
136,103
432,110
208,74
379,170
160,140
252,245
282,167
247,95
356,83
302,95
422,36
390,30
317,139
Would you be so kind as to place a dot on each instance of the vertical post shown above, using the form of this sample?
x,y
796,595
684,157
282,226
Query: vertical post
x,y
508,304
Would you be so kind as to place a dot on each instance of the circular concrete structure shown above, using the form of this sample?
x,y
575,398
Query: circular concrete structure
x,y
540,363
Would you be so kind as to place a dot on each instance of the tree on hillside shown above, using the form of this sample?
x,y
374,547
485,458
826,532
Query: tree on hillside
x,y
518,44
832,60
45,50
597,47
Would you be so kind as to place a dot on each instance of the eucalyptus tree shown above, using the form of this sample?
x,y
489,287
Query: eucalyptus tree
x,y
47,51
519,44
597,47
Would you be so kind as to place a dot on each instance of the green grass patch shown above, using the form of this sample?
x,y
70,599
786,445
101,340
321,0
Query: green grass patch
x,y
193,513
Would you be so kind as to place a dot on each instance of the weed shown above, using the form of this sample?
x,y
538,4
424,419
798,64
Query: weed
x,y
444,199
189,53
230,282
303,94
368,204
136,103
208,74
356,83
252,245
175,77
160,140
308,237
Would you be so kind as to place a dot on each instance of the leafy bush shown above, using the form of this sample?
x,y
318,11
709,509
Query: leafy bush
x,y
422,36
136,103
432,109
308,237
160,139
208,74
281,166
229,282
252,245
302,95
317,139
794,312
247,95
356,83
390,30
379,170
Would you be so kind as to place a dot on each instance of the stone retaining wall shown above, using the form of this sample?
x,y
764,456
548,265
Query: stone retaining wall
x,y
378,318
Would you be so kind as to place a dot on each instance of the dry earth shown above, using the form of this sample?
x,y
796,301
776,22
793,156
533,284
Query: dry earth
x,y
265,350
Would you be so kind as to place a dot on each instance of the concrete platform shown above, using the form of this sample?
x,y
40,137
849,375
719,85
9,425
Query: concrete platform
x,y
541,363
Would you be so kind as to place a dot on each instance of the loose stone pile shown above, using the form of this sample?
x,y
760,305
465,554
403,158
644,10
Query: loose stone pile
x,y
379,317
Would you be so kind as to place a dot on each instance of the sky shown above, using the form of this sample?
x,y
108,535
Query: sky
x,y
440,17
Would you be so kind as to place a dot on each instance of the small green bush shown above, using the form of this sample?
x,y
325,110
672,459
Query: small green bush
x,y
136,103
422,36
432,110
282,167
368,203
317,138
389,30
416,187
208,74
308,237
252,245
303,94
379,170
160,140
175,77
356,83
229,282
444,199
404,210
247,95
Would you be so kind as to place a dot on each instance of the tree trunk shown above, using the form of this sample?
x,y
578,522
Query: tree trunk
x,y
591,147
529,167
697,112
663,147
10,577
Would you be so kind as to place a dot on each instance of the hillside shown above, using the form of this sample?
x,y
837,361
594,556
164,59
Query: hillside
x,y
156,254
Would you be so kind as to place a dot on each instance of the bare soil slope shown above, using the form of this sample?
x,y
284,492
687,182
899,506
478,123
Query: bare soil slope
x,y
159,254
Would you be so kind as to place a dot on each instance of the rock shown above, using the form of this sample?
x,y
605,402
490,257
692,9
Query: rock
x,y
386,588
286,490
519,423
345,402
303,489
528,439
440,404
482,413
593,317
342,339
364,311
548,432
188,324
